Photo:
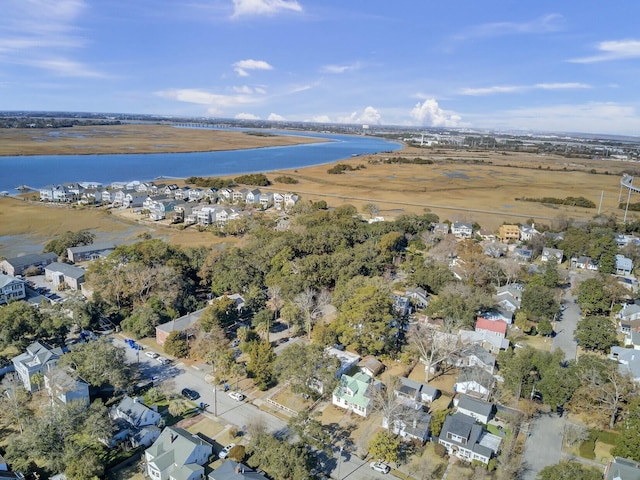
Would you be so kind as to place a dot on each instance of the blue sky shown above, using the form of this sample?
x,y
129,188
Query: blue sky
x,y
570,66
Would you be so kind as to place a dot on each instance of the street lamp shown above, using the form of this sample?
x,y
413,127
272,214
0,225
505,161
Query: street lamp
x,y
339,461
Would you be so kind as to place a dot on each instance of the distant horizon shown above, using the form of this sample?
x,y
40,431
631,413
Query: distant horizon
x,y
483,130
546,66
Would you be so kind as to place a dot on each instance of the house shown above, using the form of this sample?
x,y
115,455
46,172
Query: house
x,y
195,195
94,251
474,356
487,340
159,209
133,201
632,339
347,359
18,265
486,234
476,409
134,412
497,328
63,274
231,470
419,296
225,194
181,193
629,318
410,424
266,200
585,263
278,200
494,249
624,265
61,385
178,325
621,469
371,366
462,230
499,313
144,437
628,361
239,195
474,381
509,296
523,254
238,300
11,288
38,358
91,196
290,200
441,228
552,254
354,393
509,233
54,193
527,232
253,196
177,455
401,305
462,437
414,394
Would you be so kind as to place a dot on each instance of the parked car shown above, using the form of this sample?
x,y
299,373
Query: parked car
x,y
151,354
162,360
224,453
190,394
380,467
237,396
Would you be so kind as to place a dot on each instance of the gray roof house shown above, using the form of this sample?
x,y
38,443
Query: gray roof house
x,y
62,273
624,265
231,470
94,251
39,358
179,324
134,412
474,355
552,254
628,361
11,288
410,424
415,394
477,409
419,296
177,454
475,381
465,439
60,384
509,297
17,265
622,469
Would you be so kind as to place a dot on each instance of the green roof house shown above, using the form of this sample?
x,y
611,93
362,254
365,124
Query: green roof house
x,y
354,393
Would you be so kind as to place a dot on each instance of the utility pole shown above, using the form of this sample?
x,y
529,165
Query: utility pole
x,y
215,400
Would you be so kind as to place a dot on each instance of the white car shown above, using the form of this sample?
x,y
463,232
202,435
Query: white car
x,y
162,360
151,354
380,467
237,396
225,451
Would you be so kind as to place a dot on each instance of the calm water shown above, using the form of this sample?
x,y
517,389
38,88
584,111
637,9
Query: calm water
x,y
41,170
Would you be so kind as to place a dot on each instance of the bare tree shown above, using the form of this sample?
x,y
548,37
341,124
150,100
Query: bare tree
x,y
311,304
575,433
13,401
275,294
385,401
432,345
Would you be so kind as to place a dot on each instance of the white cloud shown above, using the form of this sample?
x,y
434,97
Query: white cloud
x,y
592,117
320,119
544,24
522,88
243,66
202,97
243,89
274,117
369,116
613,50
337,69
264,7
429,113
246,116
64,67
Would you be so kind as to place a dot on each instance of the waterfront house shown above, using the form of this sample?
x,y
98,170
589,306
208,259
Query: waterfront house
x,y
85,253
11,288
509,233
527,232
441,229
177,455
253,196
462,230
60,274
18,265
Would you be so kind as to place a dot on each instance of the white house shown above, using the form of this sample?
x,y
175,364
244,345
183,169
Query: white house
x,y
38,358
462,437
354,393
477,409
134,412
11,288
462,230
177,455
65,388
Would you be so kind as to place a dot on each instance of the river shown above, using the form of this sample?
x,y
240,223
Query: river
x,y
40,170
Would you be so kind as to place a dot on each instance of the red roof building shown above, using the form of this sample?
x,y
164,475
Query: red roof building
x,y
495,327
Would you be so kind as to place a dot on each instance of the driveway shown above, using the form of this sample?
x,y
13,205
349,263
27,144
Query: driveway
x,y
565,327
543,446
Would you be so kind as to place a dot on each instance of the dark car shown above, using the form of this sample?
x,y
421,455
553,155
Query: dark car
x,y
190,394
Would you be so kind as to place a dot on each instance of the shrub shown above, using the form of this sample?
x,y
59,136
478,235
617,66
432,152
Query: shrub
x,y
440,450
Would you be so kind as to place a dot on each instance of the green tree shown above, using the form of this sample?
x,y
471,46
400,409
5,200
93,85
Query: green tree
x,y
569,471
310,431
539,302
262,322
385,446
628,442
68,239
593,297
364,322
260,364
302,365
437,421
280,458
596,333
178,407
222,312
432,276
176,345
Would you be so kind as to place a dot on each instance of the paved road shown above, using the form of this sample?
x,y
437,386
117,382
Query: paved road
x,y
543,446
239,414
566,326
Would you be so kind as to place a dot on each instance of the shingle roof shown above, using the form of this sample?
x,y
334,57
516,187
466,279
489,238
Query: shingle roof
x,y
477,406
67,270
31,259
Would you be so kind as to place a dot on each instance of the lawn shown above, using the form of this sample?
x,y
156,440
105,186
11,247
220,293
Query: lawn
x,y
598,446
292,400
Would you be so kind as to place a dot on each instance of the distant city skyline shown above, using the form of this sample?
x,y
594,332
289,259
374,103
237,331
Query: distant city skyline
x,y
542,66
